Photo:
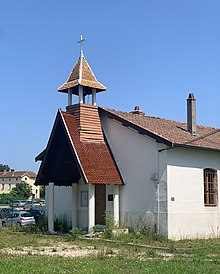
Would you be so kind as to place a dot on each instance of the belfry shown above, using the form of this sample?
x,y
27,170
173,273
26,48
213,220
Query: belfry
x,y
82,81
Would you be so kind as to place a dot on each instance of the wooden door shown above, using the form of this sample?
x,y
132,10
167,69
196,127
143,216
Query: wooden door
x,y
100,204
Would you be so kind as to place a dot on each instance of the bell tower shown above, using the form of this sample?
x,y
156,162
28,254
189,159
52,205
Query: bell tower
x,y
82,81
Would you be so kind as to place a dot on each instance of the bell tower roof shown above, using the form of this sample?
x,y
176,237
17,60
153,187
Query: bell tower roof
x,y
81,75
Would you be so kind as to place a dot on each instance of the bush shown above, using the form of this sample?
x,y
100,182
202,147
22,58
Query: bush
x,y
42,225
74,233
5,199
110,224
61,224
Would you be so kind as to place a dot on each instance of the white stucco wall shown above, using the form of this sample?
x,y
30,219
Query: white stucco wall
x,y
188,217
63,204
138,159
109,204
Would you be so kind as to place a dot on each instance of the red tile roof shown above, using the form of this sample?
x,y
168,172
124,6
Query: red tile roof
x,y
95,157
169,131
17,174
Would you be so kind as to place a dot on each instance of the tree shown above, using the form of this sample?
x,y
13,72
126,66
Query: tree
x,y
21,191
42,192
5,198
3,167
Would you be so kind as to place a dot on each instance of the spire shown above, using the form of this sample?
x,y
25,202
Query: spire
x,y
82,80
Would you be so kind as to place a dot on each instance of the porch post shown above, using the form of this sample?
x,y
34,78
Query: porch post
x,y
51,208
74,205
91,211
116,205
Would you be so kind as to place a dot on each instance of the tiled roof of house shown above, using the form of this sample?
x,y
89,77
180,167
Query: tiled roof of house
x,y
81,75
169,131
17,174
95,157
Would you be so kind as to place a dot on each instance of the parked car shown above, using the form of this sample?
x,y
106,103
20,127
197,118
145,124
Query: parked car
x,y
6,211
19,218
41,210
1,217
31,204
17,203
36,214
42,202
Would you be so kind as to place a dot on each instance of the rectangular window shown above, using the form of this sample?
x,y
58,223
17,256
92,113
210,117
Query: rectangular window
x,y
84,199
210,187
3,186
9,186
110,197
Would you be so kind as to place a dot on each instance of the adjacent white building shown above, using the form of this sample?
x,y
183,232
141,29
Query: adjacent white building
x,y
147,172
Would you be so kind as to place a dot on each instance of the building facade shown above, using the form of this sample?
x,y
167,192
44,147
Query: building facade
x,y
148,172
9,179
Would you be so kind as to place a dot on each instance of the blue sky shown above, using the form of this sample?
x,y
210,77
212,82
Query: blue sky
x,y
147,53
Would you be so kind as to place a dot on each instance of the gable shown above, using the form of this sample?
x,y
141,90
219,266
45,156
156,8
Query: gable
x,y
59,164
66,158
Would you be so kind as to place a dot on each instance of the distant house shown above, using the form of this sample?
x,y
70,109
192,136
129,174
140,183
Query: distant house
x,y
9,179
147,172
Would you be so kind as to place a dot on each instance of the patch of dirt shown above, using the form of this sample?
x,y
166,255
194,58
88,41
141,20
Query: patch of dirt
x,y
63,250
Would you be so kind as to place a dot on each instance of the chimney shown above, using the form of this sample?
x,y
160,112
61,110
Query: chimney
x,y
191,114
13,172
137,111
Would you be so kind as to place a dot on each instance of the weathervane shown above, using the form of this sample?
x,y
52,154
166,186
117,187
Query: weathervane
x,y
81,41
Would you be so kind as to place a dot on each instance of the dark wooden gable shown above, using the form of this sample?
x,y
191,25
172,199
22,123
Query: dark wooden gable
x,y
59,164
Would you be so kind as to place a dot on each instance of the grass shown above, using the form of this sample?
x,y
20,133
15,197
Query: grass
x,y
147,254
46,264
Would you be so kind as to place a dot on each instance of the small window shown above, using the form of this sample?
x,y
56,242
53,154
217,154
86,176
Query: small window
x,y
84,199
3,186
210,187
9,179
110,197
13,215
9,186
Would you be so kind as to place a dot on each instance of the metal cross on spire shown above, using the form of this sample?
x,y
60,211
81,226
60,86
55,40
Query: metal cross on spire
x,y
81,41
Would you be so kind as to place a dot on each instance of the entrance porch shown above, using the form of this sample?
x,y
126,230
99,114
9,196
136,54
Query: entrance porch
x,y
83,205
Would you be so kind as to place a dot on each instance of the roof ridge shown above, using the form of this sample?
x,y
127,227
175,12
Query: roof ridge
x,y
203,136
169,130
161,118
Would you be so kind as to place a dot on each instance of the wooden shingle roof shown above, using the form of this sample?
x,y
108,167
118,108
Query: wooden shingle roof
x,y
81,75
